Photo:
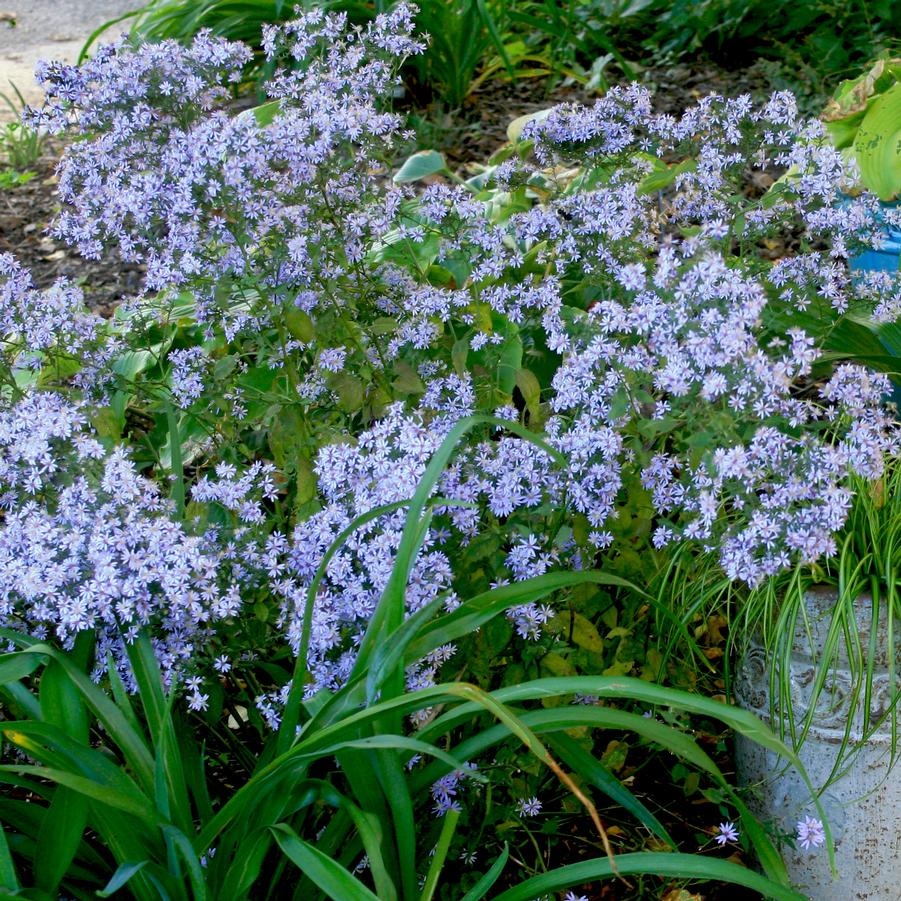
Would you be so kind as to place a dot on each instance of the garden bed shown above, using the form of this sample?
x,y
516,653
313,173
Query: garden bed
x,y
388,527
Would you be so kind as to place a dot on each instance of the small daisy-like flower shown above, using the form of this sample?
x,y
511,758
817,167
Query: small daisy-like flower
x,y
728,833
528,807
811,833
572,896
469,857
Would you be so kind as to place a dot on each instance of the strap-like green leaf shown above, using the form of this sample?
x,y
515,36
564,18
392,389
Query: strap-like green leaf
x,y
677,866
59,839
8,880
135,805
18,664
487,880
124,872
329,876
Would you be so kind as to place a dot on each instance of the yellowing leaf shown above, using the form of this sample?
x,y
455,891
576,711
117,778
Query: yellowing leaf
x,y
580,629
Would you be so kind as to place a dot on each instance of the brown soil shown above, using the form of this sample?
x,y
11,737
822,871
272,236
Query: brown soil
x,y
26,211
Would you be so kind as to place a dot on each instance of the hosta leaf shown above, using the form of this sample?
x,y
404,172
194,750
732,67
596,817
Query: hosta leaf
x,y
515,128
265,113
877,145
420,165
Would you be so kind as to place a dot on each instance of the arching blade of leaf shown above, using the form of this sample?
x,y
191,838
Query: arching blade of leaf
x,y
121,877
478,610
677,866
18,664
487,880
578,759
59,839
135,805
129,741
328,875
8,879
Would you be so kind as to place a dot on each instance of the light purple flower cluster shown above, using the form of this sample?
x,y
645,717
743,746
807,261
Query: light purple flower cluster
x,y
88,543
626,255
242,494
38,326
243,208
662,313
188,369
446,789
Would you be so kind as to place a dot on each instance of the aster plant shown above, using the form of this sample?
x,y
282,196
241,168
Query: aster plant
x,y
350,425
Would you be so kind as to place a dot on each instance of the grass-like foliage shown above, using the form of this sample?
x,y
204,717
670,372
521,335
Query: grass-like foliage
x,y
475,40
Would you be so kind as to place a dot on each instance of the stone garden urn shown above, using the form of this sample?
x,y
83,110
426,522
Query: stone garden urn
x,y
863,806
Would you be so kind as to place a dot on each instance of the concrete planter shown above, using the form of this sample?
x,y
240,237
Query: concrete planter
x,y
864,806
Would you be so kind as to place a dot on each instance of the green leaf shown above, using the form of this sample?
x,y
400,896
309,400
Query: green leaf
x,y
476,611
17,665
328,875
577,629
61,703
515,128
114,722
59,838
407,380
530,389
420,165
265,113
677,866
133,804
169,778
133,362
448,827
349,389
487,880
189,855
8,880
877,145
663,175
125,871
510,362
245,869
580,761
300,325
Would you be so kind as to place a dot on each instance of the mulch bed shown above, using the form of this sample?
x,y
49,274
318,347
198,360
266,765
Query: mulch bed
x,y
26,211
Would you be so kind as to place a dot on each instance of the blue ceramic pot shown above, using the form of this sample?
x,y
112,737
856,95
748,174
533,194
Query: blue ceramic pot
x,y
888,257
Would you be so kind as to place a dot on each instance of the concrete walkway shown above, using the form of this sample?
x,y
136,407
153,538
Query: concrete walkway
x,y
49,29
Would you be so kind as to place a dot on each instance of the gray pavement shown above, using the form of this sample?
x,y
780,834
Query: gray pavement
x,y
49,29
